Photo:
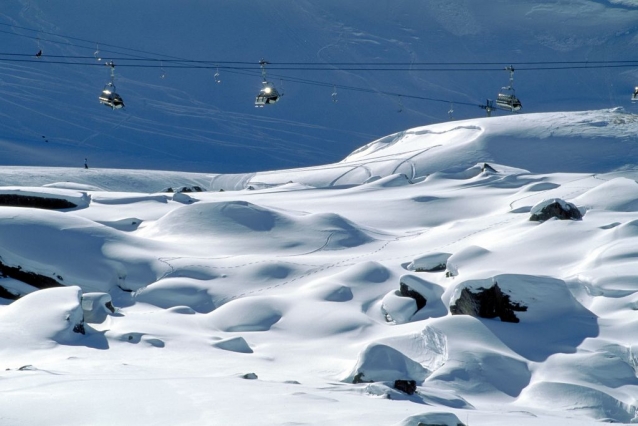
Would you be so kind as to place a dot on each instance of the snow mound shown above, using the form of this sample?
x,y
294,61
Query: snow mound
x,y
50,315
267,229
619,194
431,419
172,292
248,314
94,256
381,363
581,400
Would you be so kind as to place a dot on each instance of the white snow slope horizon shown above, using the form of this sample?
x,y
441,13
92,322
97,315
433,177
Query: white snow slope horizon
x,y
301,296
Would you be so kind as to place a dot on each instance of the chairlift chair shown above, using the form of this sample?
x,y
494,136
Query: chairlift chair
x,y
267,95
110,98
508,101
506,98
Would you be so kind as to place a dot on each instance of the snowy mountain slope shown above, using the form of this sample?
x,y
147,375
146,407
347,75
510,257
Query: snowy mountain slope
x,y
186,121
301,300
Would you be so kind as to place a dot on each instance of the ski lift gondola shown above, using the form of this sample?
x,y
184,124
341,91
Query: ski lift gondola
x,y
634,96
506,98
108,96
268,93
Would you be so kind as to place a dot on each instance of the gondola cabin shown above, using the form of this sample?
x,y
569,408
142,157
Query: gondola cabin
x,y
508,102
110,98
267,95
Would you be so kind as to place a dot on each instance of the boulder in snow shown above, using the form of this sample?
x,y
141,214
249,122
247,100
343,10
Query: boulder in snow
x,y
488,302
431,262
234,344
400,305
405,386
554,208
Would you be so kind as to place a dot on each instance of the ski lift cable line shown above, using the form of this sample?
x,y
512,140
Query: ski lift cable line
x,y
185,64
369,66
550,65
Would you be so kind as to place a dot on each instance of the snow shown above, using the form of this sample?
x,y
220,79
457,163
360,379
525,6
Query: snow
x,y
290,289
296,286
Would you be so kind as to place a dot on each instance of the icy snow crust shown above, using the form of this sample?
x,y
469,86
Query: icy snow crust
x,y
290,284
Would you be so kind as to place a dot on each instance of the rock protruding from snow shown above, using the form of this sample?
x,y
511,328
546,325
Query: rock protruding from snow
x,y
381,363
432,419
97,307
431,262
397,308
43,198
181,189
488,303
405,386
554,208
33,279
413,295
234,344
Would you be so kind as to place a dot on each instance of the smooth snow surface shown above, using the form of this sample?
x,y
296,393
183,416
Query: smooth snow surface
x,y
261,304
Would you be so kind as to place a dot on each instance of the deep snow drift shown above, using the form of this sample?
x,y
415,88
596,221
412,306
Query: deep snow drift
x,y
404,284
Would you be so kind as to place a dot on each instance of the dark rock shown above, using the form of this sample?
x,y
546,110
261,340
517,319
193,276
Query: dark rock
x,y
487,303
79,328
557,209
31,278
487,168
436,268
250,376
418,297
15,200
358,378
6,294
193,188
28,367
405,386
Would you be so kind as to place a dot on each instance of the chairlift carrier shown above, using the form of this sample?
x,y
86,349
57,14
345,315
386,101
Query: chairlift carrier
x,y
268,93
506,98
108,96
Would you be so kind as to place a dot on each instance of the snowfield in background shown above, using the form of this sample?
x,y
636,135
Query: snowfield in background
x,y
403,285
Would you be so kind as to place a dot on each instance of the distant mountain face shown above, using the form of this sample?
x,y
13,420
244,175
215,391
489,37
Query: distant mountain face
x,y
337,93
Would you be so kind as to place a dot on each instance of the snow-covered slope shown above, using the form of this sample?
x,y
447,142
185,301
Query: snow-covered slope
x,y
302,296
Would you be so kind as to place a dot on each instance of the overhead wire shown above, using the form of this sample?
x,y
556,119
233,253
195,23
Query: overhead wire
x,y
134,60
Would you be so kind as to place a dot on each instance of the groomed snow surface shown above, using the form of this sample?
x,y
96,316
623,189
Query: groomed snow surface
x,y
297,296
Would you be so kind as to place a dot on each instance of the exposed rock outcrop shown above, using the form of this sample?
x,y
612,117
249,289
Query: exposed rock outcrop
x,y
31,278
181,189
487,303
405,386
15,200
554,208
